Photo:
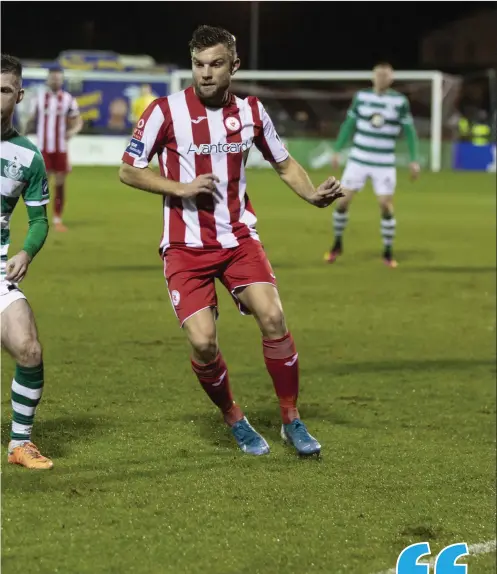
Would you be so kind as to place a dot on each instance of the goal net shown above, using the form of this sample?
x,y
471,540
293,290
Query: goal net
x,y
308,108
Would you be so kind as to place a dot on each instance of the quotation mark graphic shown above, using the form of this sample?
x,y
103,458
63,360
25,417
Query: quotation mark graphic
x,y
408,561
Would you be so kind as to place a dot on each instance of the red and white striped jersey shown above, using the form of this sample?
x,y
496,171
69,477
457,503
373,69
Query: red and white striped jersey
x,y
52,110
191,140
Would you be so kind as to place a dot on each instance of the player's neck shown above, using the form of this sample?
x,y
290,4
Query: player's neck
x,y
380,91
7,129
218,101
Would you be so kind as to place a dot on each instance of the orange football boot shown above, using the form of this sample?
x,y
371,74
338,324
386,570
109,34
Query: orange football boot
x,y
29,456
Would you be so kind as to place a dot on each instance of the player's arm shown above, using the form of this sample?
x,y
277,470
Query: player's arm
x,y
74,120
347,127
412,138
36,197
297,179
291,172
147,141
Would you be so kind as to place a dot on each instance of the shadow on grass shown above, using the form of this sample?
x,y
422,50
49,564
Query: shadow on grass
x,y
263,418
408,365
56,436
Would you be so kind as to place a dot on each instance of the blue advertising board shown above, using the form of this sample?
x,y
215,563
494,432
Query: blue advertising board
x,y
103,83
105,105
469,157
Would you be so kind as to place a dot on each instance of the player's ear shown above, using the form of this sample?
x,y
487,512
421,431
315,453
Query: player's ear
x,y
235,66
20,96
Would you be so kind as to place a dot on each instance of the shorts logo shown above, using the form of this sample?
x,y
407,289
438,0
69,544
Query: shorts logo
x,y
232,123
389,184
175,297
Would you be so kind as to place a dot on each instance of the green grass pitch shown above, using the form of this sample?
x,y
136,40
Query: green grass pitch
x,y
398,383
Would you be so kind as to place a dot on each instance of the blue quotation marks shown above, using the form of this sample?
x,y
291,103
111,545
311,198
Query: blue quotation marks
x,y
410,560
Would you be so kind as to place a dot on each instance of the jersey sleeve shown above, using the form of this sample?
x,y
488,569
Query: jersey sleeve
x,y
36,192
405,116
266,139
73,110
151,134
352,111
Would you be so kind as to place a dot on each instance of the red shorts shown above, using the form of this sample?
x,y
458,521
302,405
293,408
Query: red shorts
x,y
190,274
56,162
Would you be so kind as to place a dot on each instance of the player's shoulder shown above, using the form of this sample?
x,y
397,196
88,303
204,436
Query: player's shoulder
x,y
24,159
25,147
251,103
399,97
396,94
364,91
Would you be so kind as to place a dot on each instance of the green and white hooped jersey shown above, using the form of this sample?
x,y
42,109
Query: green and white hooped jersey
x,y
23,174
379,120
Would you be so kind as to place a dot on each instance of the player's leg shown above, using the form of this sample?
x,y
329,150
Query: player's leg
x,y
208,363
61,169
52,166
384,181
20,339
194,300
59,200
353,180
251,281
212,373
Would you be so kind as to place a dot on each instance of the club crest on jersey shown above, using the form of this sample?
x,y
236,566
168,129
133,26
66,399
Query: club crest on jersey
x,y
377,120
232,123
13,170
175,297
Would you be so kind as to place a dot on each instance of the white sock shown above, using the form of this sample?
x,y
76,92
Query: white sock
x,y
15,443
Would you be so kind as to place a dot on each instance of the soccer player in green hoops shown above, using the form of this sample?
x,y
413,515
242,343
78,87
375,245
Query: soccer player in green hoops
x,y
23,174
374,119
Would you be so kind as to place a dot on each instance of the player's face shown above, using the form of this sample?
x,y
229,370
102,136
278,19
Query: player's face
x,y
12,94
383,77
212,70
55,81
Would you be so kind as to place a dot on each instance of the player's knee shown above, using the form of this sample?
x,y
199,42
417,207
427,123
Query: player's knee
x,y
29,353
204,347
60,178
272,323
386,208
344,203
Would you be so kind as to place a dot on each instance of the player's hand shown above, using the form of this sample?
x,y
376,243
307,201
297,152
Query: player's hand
x,y
335,161
414,168
17,267
327,193
205,183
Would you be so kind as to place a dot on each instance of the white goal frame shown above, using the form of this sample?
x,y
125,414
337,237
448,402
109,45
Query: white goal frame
x,y
433,76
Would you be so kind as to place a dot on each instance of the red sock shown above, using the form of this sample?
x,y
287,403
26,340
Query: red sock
x,y
59,200
215,382
282,364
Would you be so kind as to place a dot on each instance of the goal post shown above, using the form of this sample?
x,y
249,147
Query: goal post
x,y
432,79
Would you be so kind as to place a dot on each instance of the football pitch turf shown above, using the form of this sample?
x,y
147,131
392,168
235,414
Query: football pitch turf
x,y
398,384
